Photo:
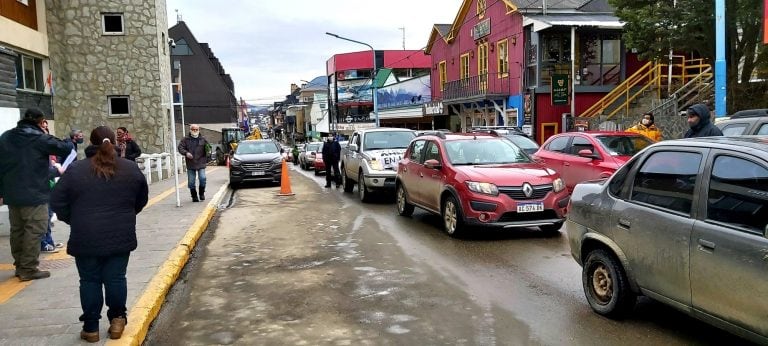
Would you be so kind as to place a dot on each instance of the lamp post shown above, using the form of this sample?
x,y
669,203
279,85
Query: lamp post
x,y
373,76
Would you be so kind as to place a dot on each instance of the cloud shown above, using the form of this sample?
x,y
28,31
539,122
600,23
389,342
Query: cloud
x,y
267,45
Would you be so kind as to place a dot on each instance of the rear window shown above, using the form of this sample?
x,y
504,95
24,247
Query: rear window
x,y
523,142
492,151
314,146
388,140
623,145
736,129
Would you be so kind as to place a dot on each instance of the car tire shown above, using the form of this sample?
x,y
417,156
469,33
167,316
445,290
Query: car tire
x,y
606,285
348,185
317,172
362,190
453,220
234,186
403,207
553,229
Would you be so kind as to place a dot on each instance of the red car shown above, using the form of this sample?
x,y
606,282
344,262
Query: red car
x,y
479,179
583,156
318,165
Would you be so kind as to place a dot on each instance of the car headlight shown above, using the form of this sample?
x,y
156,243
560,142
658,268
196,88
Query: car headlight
x,y
375,165
277,160
558,185
235,162
484,188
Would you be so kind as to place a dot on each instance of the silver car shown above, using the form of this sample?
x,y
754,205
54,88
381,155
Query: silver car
x,y
685,223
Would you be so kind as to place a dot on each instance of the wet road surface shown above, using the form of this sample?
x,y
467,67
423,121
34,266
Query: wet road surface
x,y
322,268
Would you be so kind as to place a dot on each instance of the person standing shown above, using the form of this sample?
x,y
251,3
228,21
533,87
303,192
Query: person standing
x,y
647,128
24,187
193,147
77,137
99,198
331,156
47,245
700,122
126,147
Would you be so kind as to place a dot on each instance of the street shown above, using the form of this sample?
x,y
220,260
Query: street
x,y
321,268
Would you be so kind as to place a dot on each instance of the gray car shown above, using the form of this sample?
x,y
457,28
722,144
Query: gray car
x,y
685,223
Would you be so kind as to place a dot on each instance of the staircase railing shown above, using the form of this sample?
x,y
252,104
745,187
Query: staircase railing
x,y
645,75
694,91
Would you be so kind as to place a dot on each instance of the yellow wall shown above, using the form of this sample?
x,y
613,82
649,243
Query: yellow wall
x,y
21,37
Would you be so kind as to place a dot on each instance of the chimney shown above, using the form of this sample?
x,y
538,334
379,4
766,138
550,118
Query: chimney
x,y
294,87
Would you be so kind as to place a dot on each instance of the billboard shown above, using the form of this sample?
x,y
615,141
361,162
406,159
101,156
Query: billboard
x,y
415,91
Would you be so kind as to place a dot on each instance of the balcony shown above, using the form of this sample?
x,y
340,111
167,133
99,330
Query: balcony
x,y
477,88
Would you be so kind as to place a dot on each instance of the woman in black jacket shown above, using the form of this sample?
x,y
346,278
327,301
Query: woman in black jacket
x,y
126,147
99,198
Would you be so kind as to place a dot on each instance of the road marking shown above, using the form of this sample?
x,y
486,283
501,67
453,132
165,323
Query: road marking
x,y
13,286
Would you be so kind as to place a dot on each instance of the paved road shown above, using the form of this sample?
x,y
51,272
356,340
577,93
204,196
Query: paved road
x,y
321,268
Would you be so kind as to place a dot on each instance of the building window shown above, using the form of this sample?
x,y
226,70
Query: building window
x,y
531,58
112,24
182,48
601,59
164,43
481,8
443,74
119,106
556,56
24,2
502,49
482,65
464,72
29,73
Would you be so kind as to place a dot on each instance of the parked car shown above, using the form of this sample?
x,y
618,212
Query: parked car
x,y
370,159
309,155
685,223
514,134
746,122
318,165
583,156
256,160
479,180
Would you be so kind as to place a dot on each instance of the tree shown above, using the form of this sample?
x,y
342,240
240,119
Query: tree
x,y
652,27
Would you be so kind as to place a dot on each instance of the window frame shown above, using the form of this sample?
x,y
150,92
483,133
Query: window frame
x,y
760,129
104,31
482,65
589,141
443,74
37,66
439,151
567,139
420,157
502,63
464,69
110,113
482,6
744,126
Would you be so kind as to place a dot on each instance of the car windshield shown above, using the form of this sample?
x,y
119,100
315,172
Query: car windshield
x,y
257,148
388,140
491,151
314,147
523,142
623,145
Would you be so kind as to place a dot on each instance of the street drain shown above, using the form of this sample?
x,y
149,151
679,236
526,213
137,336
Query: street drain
x,y
56,264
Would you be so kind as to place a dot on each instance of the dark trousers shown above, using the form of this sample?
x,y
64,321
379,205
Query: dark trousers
x,y
28,225
97,272
332,166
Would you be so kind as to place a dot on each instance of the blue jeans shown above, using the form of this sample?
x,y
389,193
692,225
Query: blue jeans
x,y
97,272
192,173
47,237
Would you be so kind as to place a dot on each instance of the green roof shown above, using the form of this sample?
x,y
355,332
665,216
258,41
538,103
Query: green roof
x,y
381,76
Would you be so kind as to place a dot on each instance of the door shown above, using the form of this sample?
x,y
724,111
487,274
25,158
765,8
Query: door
x,y
351,163
431,184
411,178
554,153
729,252
655,222
579,168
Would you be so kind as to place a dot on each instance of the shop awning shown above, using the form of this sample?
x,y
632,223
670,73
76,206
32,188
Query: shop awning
x,y
602,21
401,113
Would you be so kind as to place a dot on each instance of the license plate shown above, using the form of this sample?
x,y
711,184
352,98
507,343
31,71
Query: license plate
x,y
391,160
530,207
258,173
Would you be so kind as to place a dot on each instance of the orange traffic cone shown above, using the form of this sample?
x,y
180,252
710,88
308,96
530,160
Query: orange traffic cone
x,y
227,162
285,181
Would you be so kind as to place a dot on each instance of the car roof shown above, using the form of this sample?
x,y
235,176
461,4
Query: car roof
x,y
458,136
386,129
599,133
257,141
754,142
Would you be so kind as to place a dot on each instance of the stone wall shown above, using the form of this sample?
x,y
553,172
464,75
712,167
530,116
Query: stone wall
x,y
89,66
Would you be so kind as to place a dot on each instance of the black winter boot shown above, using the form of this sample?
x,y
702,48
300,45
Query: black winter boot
x,y
202,193
194,195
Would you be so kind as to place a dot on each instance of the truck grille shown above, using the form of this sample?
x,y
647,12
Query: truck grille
x,y
261,166
516,192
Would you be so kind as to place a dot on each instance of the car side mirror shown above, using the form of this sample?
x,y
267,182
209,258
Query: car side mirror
x,y
432,164
587,153
353,147
311,153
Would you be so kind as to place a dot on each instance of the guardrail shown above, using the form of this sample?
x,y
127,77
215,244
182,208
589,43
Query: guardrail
x,y
157,167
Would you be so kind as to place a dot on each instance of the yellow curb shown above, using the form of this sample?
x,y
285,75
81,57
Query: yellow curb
x,y
148,305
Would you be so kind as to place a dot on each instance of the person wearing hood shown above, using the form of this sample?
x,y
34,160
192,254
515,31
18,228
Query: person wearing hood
x,y
331,156
647,128
126,147
700,122
194,147
24,174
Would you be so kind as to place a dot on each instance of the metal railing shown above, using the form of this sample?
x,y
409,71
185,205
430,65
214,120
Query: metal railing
x,y
477,86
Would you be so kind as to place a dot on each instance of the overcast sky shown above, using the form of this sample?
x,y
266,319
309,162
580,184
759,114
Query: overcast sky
x,y
266,45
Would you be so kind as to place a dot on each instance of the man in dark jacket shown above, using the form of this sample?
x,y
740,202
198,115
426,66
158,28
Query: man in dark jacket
x,y
331,156
24,163
700,123
193,147
126,147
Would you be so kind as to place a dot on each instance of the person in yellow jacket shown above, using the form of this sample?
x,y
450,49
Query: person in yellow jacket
x,y
647,128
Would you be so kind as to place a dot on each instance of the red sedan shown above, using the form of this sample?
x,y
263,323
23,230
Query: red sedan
x,y
583,156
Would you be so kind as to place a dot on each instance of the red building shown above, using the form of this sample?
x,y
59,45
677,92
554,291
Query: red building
x,y
495,64
350,79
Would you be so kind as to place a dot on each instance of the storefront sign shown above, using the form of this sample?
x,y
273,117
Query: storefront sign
x,y
560,89
434,108
482,29
581,125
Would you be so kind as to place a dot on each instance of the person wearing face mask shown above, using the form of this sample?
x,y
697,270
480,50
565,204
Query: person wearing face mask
x,y
194,147
77,137
647,128
126,147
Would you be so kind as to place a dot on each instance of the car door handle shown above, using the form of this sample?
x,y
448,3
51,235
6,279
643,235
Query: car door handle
x,y
706,245
421,174
624,223
566,164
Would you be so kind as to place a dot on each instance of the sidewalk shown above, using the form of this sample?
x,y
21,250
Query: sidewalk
x,y
45,312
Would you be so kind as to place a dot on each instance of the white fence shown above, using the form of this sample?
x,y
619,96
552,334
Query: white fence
x,y
157,167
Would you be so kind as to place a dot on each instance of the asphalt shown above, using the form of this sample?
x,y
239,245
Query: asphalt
x,y
45,312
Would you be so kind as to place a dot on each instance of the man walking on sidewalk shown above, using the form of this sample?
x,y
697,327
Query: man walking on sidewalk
x,y
194,148
24,161
331,156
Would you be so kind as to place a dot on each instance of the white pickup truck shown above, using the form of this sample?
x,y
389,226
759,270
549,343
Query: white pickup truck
x,y
370,160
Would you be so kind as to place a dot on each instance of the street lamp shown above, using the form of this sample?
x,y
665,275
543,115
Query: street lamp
x,y
373,77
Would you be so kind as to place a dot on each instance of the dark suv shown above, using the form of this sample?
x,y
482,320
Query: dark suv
x,y
256,160
746,122
479,179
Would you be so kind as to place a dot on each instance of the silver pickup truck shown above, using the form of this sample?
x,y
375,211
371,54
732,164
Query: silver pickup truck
x,y
370,159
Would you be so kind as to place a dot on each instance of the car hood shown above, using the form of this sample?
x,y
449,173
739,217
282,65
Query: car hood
x,y
388,157
257,157
509,174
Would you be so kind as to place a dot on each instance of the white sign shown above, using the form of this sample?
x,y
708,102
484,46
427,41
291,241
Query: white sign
x,y
434,108
528,130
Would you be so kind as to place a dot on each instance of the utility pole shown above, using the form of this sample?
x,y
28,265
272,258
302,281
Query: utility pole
x,y
669,69
720,68
403,29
